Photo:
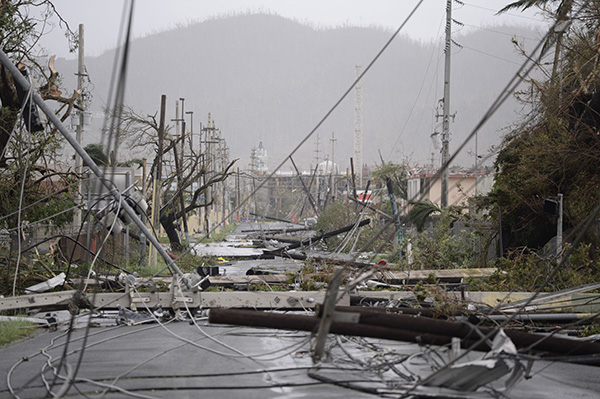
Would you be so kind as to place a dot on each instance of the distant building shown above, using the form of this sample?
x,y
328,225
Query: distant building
x,y
426,186
261,159
327,167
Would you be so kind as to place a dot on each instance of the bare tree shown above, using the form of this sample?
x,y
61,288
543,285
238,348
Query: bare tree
x,y
193,179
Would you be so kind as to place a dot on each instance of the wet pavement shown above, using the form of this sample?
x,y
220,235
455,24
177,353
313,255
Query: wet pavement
x,y
175,360
184,360
277,265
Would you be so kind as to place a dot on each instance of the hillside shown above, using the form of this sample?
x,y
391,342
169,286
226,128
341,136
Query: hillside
x,y
264,77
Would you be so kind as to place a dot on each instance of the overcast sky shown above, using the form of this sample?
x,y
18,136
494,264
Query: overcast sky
x,y
102,18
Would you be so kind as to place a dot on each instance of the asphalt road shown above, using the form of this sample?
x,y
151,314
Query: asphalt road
x,y
182,360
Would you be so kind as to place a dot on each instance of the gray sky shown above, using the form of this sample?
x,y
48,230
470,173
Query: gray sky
x,y
102,18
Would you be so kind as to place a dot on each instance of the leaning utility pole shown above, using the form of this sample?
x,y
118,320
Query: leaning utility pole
x,y
125,206
446,111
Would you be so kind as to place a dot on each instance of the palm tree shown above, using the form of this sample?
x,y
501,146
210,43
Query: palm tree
x,y
100,157
420,212
562,12
97,153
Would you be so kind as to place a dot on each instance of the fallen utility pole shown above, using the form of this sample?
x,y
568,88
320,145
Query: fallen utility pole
x,y
442,275
461,330
311,240
20,80
252,318
405,328
174,299
340,258
272,218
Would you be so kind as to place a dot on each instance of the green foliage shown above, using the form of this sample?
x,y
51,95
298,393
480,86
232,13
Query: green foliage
x,y
420,211
14,29
396,173
315,276
97,153
590,329
556,151
26,174
56,195
13,330
334,216
524,5
339,214
439,248
524,270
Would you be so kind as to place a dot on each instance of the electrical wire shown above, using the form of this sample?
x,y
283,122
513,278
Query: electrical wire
x,y
186,305
433,52
490,55
320,123
26,100
523,71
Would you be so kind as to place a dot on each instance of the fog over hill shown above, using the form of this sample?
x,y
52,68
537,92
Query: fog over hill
x,y
264,77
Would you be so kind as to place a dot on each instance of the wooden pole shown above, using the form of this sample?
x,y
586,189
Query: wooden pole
x,y
405,328
156,189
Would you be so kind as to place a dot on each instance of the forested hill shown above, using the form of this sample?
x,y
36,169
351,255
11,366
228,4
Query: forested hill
x,y
264,77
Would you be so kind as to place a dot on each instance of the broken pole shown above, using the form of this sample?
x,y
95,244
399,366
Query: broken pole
x,y
327,314
353,178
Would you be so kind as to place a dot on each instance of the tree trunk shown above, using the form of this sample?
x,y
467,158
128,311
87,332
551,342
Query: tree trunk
x,y
168,223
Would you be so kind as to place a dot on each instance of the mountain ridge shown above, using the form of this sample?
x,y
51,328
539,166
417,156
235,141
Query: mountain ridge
x,y
265,77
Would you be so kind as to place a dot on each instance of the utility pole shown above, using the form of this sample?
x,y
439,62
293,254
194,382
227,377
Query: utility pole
x,y
179,168
318,188
79,134
209,165
358,134
333,171
237,194
333,140
156,190
559,226
183,132
191,114
446,110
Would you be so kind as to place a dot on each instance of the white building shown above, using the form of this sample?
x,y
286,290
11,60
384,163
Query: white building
x,y
261,159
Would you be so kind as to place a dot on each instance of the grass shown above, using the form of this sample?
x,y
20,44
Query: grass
x,y
13,330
